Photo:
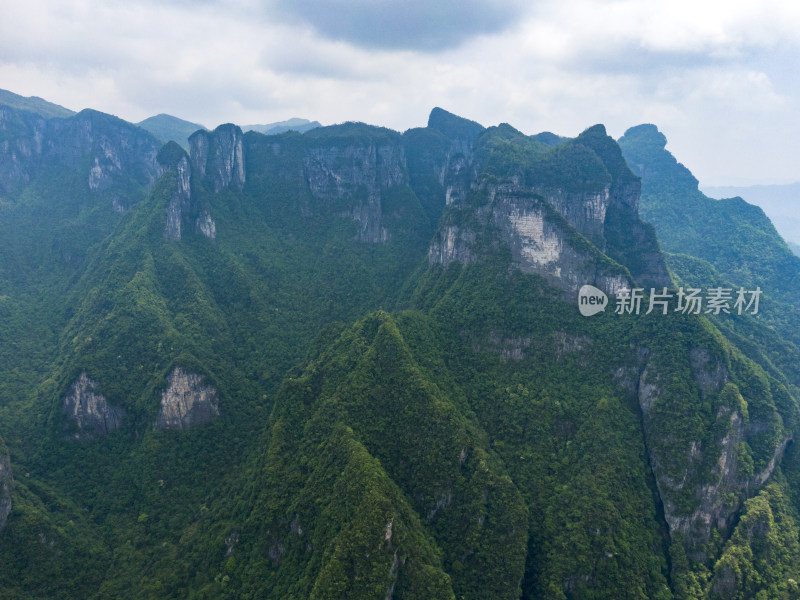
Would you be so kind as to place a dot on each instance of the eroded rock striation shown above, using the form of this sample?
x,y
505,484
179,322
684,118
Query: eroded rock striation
x,y
219,156
182,212
570,228
355,177
112,155
540,242
187,401
703,482
89,413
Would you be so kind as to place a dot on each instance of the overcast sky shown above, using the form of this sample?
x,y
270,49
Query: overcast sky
x,y
719,78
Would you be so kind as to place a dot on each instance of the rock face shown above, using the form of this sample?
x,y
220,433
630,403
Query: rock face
x,y
186,402
219,157
351,171
182,212
702,483
453,243
6,483
110,153
89,411
568,233
540,242
457,171
180,201
355,179
585,211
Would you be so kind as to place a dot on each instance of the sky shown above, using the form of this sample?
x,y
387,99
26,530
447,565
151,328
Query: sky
x,y
719,78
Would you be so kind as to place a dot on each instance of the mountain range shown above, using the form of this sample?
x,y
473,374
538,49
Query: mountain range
x,y
780,202
167,128
350,363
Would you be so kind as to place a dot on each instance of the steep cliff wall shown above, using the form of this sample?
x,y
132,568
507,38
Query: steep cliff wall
x,y
109,153
355,177
89,412
182,211
187,401
540,239
219,157
568,213
704,474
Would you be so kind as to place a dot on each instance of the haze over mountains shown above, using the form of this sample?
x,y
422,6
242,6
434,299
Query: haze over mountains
x,y
168,128
349,363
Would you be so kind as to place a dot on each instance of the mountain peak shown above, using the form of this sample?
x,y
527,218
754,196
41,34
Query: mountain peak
x,y
647,132
598,129
293,124
167,128
34,104
452,125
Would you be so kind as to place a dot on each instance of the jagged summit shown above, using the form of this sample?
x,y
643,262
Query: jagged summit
x,y
540,197
452,125
349,364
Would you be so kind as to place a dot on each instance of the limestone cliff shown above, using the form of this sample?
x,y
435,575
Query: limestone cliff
x,y
89,412
182,212
112,156
703,481
458,169
219,157
354,177
569,213
626,238
441,161
6,483
186,402
539,238
180,200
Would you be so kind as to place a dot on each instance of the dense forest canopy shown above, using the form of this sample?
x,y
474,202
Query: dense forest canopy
x,y
349,363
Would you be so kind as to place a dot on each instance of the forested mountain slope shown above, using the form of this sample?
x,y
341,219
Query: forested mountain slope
x,y
350,363
727,243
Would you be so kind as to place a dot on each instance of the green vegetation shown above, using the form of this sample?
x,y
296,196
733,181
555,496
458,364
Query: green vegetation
x,y
734,237
34,105
388,428
167,128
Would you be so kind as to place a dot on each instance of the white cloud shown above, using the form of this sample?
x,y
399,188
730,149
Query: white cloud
x,y
424,26
711,74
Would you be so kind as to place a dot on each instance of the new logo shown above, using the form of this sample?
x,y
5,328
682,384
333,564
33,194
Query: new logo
x,y
591,300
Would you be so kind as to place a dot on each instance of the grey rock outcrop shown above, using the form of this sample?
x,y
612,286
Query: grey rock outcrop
x,y
219,157
541,244
180,201
89,412
710,470
457,171
6,483
205,225
181,210
452,243
569,234
540,240
354,178
585,211
108,152
441,162
187,401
